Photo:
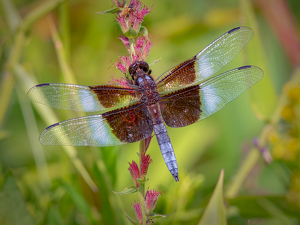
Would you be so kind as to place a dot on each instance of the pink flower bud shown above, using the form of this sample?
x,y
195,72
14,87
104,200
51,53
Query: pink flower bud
x,y
123,24
125,41
138,211
150,200
145,161
147,48
135,172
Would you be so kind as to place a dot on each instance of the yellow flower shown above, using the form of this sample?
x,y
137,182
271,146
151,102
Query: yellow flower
x,y
288,113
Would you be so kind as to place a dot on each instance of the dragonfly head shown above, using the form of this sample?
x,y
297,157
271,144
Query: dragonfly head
x,y
138,68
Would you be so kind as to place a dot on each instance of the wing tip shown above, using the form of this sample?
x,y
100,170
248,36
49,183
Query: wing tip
x,y
51,126
33,89
253,67
238,28
42,85
234,29
244,67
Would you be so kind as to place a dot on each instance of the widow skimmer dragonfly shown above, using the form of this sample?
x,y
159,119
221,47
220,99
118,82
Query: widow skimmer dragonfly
x,y
181,96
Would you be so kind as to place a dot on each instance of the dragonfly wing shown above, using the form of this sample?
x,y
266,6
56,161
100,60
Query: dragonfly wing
x,y
206,63
83,98
189,105
121,126
181,108
216,92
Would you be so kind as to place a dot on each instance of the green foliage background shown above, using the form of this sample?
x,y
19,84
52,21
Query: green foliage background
x,y
55,185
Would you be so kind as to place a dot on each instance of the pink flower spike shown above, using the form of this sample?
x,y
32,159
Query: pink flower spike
x,y
123,63
138,211
140,41
120,66
123,24
150,200
139,47
145,161
147,48
136,17
135,172
125,41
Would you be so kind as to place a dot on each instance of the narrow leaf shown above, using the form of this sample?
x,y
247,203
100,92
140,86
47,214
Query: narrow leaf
x,y
111,11
127,190
215,211
132,221
61,54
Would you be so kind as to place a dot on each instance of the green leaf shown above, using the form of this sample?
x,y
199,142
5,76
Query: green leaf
x,y
132,221
215,211
127,190
61,55
154,215
13,208
111,11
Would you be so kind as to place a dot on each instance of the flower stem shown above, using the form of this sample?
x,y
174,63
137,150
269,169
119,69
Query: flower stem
x,y
142,149
132,51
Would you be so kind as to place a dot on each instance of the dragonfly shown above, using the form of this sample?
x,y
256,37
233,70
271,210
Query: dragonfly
x,y
181,96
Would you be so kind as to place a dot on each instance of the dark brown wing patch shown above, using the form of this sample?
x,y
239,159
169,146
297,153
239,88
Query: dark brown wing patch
x,y
182,74
130,124
181,108
110,97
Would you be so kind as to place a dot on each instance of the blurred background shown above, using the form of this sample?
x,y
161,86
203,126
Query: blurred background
x,y
66,41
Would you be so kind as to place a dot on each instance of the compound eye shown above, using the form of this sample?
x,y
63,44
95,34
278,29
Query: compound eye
x,y
132,70
145,67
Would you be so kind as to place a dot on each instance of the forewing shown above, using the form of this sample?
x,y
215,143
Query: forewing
x,y
125,125
207,62
83,98
188,105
